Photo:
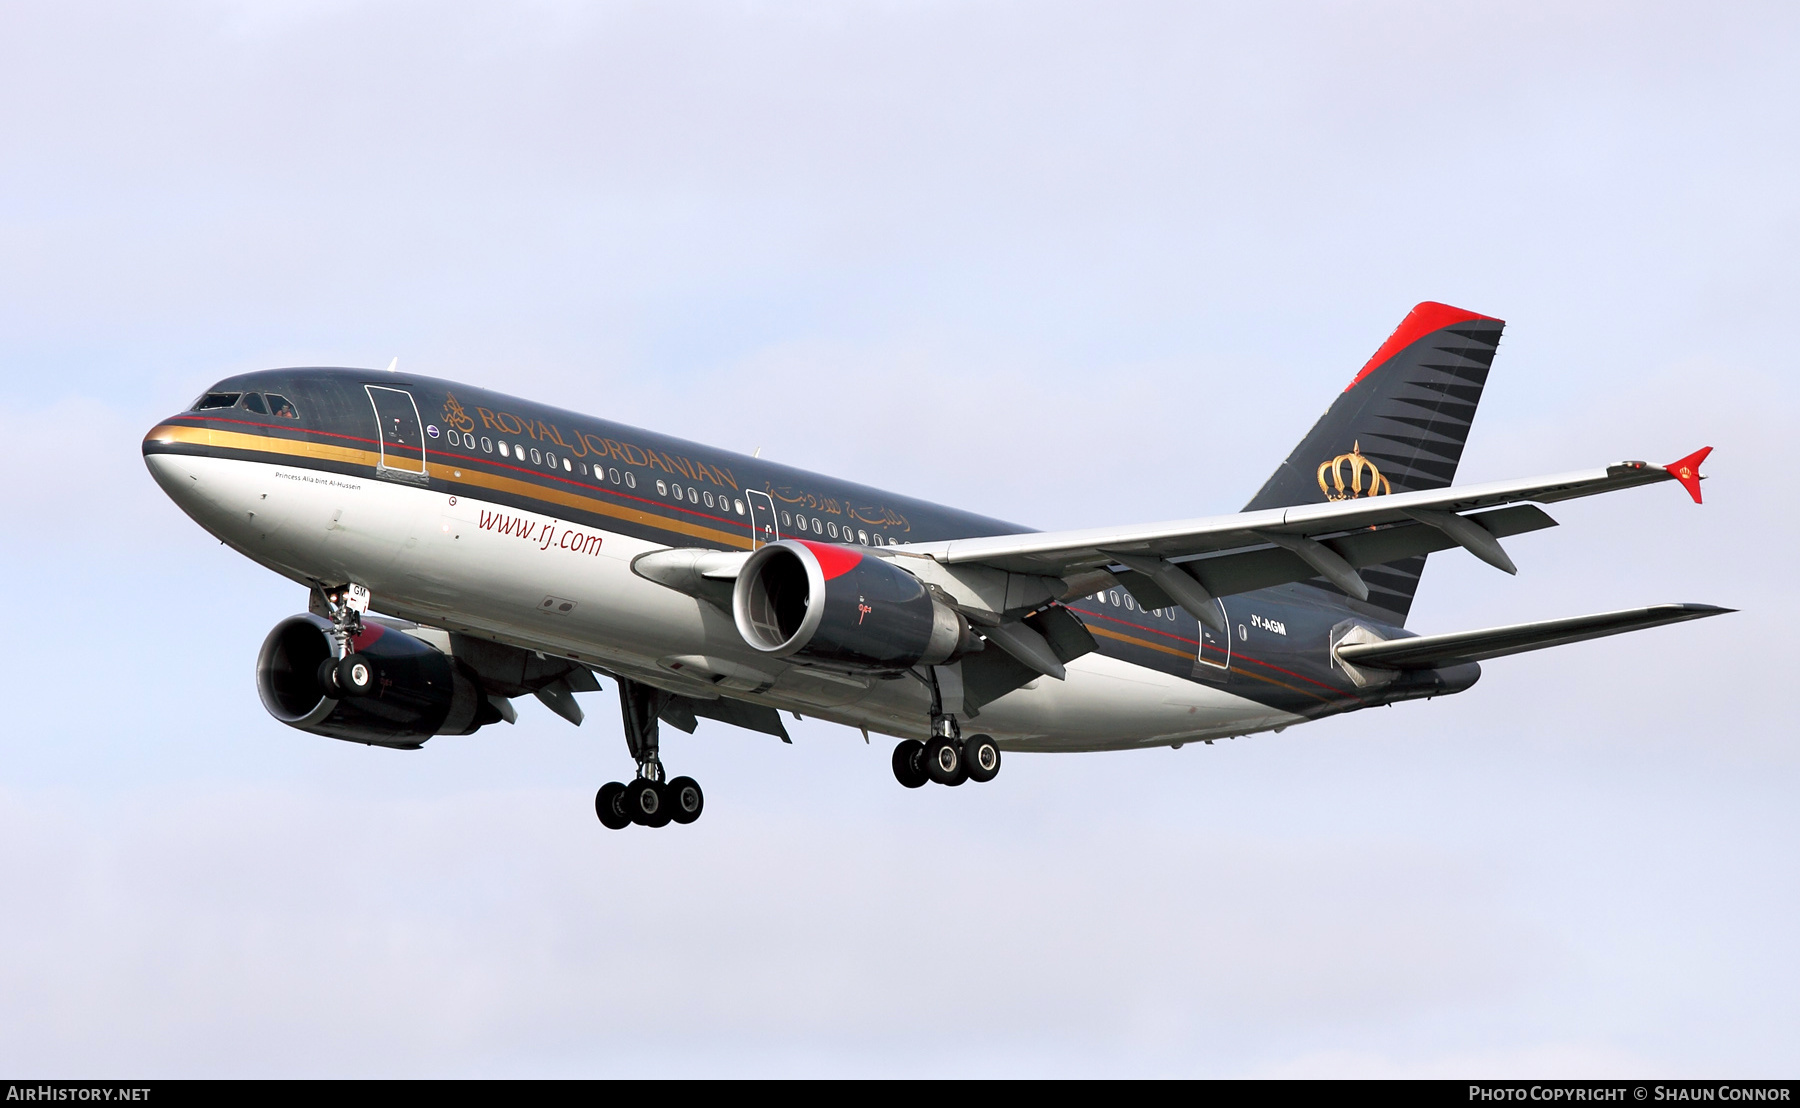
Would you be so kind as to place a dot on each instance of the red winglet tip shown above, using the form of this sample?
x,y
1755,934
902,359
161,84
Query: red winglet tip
x,y
1687,471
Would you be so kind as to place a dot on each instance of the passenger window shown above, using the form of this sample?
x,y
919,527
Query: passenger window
x,y
503,450
613,476
800,522
630,480
537,459
862,537
786,521
879,541
550,460
281,408
213,401
1129,605
831,529
817,530
707,496
254,402
487,445
737,506
679,494
1114,597
469,441
662,488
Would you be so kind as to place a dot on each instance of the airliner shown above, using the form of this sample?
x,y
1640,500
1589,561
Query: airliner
x,y
462,549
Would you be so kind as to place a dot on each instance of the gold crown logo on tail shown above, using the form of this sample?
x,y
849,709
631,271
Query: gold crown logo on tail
x,y
1356,466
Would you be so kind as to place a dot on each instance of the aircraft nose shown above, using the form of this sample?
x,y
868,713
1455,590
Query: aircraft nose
x,y
168,453
179,456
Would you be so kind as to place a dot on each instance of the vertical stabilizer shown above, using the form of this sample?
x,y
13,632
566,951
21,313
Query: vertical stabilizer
x,y
1399,426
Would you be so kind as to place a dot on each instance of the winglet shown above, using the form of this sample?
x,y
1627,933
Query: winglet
x,y
1687,471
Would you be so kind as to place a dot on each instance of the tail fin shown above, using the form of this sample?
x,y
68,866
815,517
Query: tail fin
x,y
1399,426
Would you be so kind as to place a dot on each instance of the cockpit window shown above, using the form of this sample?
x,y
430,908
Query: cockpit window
x,y
280,408
215,400
253,401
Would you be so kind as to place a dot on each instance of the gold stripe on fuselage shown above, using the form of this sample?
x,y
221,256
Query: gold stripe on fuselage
x,y
462,475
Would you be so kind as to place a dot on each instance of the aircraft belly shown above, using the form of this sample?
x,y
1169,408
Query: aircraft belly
x,y
1108,704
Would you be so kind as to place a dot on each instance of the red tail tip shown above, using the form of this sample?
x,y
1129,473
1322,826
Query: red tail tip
x,y
1687,471
1425,318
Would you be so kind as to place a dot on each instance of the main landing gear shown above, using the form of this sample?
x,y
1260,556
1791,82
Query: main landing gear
x,y
946,757
651,800
345,673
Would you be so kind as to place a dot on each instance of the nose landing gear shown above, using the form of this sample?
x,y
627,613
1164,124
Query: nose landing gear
x,y
651,800
345,673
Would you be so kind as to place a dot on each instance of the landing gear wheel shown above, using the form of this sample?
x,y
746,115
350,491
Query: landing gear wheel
x,y
648,806
609,805
685,799
982,756
944,761
328,682
355,675
909,763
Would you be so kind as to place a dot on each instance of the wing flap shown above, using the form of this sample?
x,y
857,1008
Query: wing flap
x,y
1435,651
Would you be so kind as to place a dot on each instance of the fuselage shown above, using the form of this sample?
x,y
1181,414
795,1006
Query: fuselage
x,y
497,517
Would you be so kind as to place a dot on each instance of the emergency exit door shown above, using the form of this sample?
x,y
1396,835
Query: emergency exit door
x,y
762,519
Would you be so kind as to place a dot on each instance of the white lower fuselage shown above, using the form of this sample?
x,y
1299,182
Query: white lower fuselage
x,y
540,583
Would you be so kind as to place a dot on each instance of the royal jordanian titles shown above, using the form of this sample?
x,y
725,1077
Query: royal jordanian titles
x,y
514,549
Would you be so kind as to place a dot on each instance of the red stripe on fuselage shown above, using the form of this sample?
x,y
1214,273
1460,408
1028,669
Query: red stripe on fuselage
x,y
1237,656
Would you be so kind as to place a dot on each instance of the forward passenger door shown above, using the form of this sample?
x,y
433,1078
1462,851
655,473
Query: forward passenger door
x,y
399,431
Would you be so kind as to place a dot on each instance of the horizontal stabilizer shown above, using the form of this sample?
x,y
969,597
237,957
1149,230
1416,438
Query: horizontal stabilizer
x,y
1435,651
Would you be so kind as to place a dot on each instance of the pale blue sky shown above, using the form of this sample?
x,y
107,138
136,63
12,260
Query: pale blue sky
x,y
1058,263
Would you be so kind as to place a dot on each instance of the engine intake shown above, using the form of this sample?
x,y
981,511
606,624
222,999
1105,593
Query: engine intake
x,y
419,692
803,599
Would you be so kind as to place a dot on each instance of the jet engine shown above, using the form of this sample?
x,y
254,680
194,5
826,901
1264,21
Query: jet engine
x,y
418,691
832,603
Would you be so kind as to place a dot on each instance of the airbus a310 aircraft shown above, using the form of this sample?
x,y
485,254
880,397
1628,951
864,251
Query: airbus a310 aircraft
x,y
518,549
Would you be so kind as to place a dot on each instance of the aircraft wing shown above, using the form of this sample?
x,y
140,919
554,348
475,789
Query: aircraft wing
x,y
1190,562
1432,651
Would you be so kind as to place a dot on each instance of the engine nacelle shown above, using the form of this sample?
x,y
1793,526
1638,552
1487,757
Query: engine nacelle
x,y
832,603
419,690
